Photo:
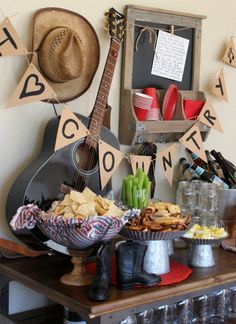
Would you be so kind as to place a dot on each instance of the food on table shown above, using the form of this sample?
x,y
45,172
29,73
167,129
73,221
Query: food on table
x,y
84,204
159,217
206,232
136,190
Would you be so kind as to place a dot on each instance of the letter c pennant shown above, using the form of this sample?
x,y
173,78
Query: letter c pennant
x,y
70,129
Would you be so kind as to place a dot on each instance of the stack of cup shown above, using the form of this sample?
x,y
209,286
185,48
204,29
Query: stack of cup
x,y
154,112
142,105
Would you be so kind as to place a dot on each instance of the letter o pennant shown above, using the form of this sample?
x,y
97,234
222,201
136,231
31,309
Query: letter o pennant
x,y
109,160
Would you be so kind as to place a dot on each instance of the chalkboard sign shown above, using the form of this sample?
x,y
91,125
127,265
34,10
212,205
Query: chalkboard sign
x,y
144,54
137,62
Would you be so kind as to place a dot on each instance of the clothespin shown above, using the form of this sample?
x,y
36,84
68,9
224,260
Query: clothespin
x,y
172,29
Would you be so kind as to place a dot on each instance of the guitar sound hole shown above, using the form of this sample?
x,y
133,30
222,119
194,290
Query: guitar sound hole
x,y
86,157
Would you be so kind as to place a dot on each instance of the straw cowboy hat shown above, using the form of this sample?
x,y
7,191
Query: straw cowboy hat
x,y
66,50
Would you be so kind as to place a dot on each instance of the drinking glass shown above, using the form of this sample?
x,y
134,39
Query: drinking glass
x,y
200,309
130,319
208,204
183,312
231,299
145,317
185,197
162,315
219,306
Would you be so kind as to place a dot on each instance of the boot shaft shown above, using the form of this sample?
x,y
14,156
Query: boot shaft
x,y
103,259
130,272
130,257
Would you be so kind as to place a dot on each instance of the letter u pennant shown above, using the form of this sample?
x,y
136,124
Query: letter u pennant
x,y
109,160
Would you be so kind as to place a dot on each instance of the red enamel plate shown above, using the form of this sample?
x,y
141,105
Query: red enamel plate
x,y
169,102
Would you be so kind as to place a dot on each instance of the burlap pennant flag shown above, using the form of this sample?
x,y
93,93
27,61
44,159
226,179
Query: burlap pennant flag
x,y
192,139
230,53
219,87
208,117
109,160
32,87
140,162
166,160
10,42
70,129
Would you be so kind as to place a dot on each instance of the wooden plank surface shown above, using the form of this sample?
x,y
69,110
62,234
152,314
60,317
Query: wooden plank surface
x,y
43,274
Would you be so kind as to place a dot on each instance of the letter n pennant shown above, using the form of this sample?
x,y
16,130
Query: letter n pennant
x,y
219,87
70,129
166,160
10,42
192,139
208,117
32,87
109,160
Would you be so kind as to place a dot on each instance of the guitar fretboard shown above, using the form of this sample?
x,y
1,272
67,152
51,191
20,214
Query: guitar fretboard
x,y
103,91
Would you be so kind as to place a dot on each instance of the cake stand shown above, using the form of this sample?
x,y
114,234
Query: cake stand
x,y
156,259
79,236
201,254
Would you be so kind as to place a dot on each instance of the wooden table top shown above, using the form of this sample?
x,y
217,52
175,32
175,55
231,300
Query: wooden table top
x,y
43,273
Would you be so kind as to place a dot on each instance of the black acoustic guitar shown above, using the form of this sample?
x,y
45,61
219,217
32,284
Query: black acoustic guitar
x,y
76,165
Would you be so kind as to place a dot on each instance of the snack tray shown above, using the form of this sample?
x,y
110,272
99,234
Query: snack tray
x,y
202,241
151,236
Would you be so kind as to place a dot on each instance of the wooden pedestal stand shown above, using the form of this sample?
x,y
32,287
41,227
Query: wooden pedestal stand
x,y
79,275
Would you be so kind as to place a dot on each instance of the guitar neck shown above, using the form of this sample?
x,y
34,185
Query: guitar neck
x,y
103,91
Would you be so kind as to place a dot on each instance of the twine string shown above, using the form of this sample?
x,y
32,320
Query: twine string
x,y
152,34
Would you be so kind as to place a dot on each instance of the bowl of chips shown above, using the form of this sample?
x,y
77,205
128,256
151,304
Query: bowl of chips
x,y
78,222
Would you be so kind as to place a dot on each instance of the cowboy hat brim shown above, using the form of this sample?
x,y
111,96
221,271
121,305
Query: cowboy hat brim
x,y
47,19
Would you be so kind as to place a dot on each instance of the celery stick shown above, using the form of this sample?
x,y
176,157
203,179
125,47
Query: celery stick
x,y
129,193
135,197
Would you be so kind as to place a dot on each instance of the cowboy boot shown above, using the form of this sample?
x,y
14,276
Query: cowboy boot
x,y
130,272
99,289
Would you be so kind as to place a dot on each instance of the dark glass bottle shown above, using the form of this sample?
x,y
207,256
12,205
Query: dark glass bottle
x,y
188,172
197,160
208,176
214,166
228,168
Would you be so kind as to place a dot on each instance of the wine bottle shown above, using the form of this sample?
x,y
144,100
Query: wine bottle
x,y
214,166
228,168
208,176
188,172
197,160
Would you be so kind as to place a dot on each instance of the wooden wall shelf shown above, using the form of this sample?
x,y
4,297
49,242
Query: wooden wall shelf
x,y
132,131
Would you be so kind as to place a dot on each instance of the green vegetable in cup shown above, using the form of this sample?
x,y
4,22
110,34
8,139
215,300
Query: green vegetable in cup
x,y
136,190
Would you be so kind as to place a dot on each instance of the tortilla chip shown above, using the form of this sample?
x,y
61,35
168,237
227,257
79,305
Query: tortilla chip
x,y
78,197
87,209
114,211
67,200
89,194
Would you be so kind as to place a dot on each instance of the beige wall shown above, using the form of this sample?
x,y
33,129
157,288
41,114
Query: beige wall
x,y
22,127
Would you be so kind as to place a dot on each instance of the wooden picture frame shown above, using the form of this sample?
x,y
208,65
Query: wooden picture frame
x,y
136,72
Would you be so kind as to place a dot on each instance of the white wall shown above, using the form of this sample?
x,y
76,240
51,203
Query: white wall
x,y
22,128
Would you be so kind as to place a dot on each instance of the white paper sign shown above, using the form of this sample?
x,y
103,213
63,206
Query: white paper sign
x,y
170,56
